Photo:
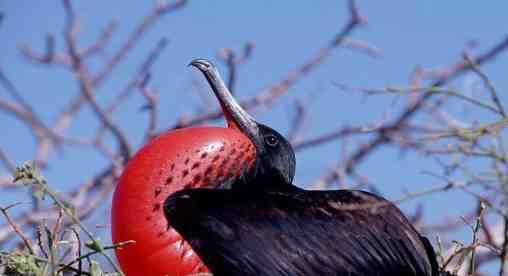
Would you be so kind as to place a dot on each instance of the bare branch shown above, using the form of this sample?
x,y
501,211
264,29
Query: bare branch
x,y
48,57
267,96
488,84
8,163
297,122
334,135
504,250
140,76
161,9
152,105
363,47
384,134
232,61
101,42
86,84
17,229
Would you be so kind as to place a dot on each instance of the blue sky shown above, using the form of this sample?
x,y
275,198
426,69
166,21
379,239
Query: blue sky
x,y
410,33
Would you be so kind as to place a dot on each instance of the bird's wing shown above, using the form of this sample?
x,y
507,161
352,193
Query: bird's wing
x,y
302,233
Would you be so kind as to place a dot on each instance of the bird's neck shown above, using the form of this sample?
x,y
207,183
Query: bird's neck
x,y
265,181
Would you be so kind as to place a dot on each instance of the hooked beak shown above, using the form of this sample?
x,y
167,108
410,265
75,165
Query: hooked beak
x,y
234,113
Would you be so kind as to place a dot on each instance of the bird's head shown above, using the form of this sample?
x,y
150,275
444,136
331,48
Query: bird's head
x,y
274,154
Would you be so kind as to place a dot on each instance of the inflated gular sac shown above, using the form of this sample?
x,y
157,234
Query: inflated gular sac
x,y
197,157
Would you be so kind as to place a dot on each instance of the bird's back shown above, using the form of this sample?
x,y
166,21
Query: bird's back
x,y
297,232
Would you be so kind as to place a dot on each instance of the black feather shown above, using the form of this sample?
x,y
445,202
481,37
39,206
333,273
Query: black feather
x,y
296,232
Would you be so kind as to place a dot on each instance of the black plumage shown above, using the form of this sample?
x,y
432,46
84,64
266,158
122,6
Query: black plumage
x,y
296,232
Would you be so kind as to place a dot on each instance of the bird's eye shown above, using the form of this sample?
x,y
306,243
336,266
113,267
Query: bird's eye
x,y
271,140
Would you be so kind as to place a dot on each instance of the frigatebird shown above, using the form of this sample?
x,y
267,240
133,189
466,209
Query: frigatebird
x,y
262,224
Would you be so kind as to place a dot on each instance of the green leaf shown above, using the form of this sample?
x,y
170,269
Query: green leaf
x,y
17,263
95,245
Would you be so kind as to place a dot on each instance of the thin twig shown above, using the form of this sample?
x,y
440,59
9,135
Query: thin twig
x,y
152,105
488,83
8,163
148,21
139,76
29,172
17,228
232,61
503,269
